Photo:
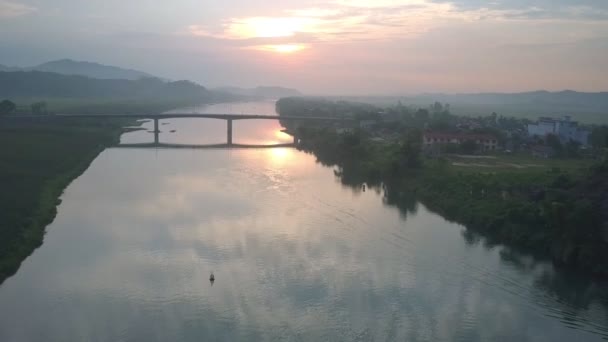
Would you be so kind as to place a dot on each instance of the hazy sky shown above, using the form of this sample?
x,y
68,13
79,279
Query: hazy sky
x,y
340,46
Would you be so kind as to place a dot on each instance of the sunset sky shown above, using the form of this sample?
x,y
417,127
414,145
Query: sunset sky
x,y
337,47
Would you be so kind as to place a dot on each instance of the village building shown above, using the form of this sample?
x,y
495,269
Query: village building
x,y
565,129
486,142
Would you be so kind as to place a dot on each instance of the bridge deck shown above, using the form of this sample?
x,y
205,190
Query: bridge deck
x,y
202,116
194,146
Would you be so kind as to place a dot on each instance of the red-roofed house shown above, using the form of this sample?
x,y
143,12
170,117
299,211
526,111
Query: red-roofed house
x,y
486,141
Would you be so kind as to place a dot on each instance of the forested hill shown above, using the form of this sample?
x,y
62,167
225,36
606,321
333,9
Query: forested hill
x,y
89,69
37,84
95,70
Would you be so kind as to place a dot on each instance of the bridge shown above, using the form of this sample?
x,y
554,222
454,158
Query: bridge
x,y
229,118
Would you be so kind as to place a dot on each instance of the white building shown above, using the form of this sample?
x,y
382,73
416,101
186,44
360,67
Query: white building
x,y
565,129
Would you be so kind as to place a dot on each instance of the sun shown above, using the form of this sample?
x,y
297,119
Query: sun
x,y
284,49
280,155
288,48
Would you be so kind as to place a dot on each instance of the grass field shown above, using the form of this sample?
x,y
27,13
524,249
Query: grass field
x,y
515,163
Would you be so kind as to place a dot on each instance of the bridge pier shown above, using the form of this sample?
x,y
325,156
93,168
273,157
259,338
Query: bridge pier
x,y
156,131
229,133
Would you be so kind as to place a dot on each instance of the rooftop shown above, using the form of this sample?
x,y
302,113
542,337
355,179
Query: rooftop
x,y
447,135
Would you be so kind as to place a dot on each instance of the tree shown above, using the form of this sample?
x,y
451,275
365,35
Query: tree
x,y
553,141
468,147
437,107
572,148
39,108
411,148
599,137
422,115
7,107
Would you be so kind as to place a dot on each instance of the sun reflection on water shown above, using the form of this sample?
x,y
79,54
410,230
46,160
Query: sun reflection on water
x,y
281,155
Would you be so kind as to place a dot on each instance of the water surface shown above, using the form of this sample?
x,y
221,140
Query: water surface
x,y
297,256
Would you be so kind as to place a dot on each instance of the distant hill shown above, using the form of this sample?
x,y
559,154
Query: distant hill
x,y
586,107
261,92
93,70
567,98
36,84
6,68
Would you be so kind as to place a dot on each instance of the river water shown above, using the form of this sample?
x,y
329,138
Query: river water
x,y
296,255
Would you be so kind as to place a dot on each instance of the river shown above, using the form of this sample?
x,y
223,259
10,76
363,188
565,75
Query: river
x,y
296,255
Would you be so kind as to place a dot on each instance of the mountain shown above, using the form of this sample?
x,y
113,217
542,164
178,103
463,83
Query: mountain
x,y
37,84
93,70
261,92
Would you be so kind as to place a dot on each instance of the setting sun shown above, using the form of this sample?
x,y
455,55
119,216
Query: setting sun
x,y
280,155
282,48
287,48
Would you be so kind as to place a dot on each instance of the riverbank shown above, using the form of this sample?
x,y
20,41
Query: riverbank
x,y
37,162
558,213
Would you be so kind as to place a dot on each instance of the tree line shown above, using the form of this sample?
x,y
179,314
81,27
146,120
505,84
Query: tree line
x,y
8,107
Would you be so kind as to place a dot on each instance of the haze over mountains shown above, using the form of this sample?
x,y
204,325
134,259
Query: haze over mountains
x,y
566,100
261,92
70,67
586,107
88,69
75,79
38,84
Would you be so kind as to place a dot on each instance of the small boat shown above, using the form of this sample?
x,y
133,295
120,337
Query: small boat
x,y
211,277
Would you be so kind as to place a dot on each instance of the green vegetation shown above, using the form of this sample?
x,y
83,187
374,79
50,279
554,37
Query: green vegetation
x,y
7,107
37,161
599,137
514,163
70,93
39,108
553,208
98,106
550,211
588,108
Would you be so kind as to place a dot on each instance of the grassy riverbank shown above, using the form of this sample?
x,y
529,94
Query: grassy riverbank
x,y
37,161
555,209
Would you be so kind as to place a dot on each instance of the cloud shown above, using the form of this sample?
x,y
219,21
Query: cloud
x,y
10,9
355,20
339,21
587,10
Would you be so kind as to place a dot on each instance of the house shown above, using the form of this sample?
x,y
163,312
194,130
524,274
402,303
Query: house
x,y
487,142
566,129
